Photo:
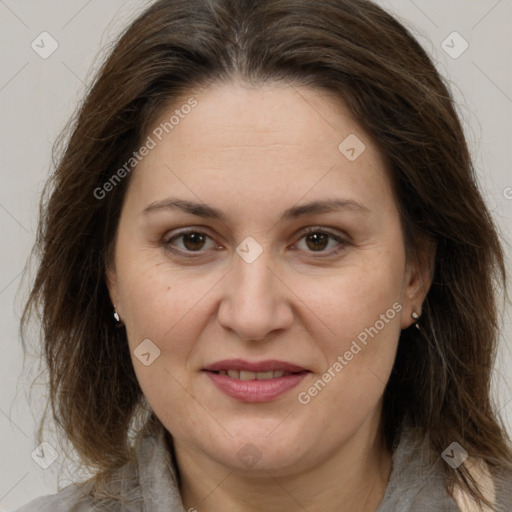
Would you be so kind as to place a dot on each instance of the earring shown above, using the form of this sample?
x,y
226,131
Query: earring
x,y
416,318
116,314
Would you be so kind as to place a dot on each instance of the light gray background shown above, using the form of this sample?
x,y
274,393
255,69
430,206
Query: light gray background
x,y
38,95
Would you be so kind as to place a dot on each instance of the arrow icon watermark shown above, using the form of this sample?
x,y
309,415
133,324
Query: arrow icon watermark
x,y
147,352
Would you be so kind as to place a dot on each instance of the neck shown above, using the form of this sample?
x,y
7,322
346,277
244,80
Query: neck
x,y
352,479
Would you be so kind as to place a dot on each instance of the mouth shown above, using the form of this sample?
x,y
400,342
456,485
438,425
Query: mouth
x,y
255,381
246,375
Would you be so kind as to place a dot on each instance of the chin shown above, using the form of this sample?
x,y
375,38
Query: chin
x,y
261,448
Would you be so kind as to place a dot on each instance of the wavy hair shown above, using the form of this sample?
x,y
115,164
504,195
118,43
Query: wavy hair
x,y
441,378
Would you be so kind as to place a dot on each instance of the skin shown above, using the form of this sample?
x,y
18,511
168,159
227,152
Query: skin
x,y
253,152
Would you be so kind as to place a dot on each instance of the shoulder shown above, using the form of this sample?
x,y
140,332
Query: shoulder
x,y
496,486
130,488
120,496
73,498
503,489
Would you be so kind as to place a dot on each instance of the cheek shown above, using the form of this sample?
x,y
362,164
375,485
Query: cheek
x,y
359,311
157,308
352,298
164,303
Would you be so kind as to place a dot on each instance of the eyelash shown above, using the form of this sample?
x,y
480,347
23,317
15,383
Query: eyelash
x,y
194,254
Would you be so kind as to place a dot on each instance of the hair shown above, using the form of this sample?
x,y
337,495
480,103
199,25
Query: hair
x,y
440,382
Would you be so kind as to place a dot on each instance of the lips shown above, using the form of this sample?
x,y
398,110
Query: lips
x,y
246,375
252,366
260,381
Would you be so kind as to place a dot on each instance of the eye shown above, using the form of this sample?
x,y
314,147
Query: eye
x,y
191,241
316,240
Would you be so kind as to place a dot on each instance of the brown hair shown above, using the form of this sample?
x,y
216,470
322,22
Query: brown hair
x,y
441,377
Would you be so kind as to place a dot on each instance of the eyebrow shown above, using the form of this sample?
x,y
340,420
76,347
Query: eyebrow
x,y
206,211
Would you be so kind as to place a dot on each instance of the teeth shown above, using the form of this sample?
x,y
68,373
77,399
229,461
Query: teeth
x,y
244,375
274,374
265,375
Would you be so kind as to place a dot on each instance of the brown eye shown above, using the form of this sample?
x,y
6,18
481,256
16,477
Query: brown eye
x,y
317,241
191,241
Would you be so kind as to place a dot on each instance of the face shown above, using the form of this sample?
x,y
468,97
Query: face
x,y
293,261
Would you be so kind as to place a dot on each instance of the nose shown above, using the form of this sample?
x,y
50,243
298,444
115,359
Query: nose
x,y
256,302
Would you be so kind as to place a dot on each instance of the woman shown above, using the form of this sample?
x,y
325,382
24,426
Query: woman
x,y
267,276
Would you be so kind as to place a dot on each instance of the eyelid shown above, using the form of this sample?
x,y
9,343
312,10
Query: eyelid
x,y
343,240
321,229
183,232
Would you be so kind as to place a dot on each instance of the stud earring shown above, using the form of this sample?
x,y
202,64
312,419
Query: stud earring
x,y
116,314
416,318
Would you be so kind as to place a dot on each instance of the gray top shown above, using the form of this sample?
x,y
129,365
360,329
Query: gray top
x,y
150,484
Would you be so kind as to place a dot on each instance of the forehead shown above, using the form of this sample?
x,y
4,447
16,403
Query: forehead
x,y
266,143
234,114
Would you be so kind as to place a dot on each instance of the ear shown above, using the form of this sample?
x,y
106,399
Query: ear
x,y
111,280
418,279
